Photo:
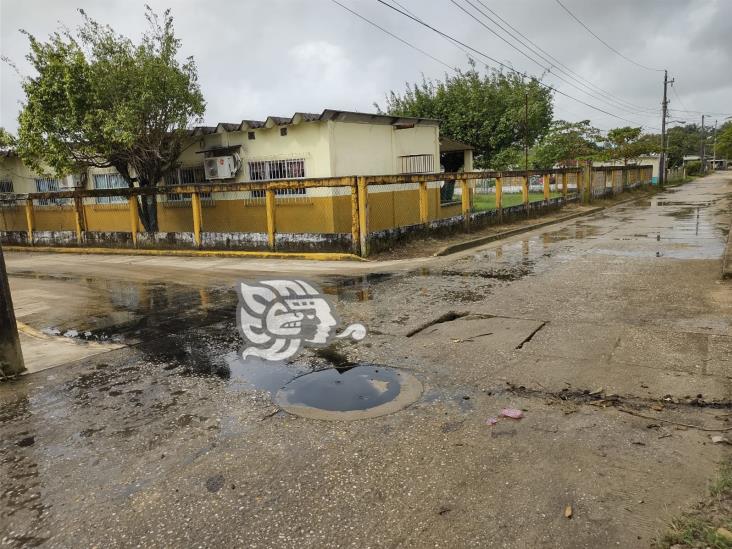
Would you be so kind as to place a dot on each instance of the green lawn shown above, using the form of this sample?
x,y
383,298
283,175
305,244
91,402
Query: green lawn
x,y
483,202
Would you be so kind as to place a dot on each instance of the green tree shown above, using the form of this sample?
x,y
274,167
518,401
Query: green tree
x,y
565,143
486,111
100,100
628,143
681,141
724,141
7,140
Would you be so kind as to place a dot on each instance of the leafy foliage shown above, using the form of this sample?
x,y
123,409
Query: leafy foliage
x,y
101,100
628,143
693,167
681,141
565,143
7,140
482,110
724,141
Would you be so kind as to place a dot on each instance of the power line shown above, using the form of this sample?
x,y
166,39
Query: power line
x,y
507,67
558,63
420,50
588,29
613,104
673,89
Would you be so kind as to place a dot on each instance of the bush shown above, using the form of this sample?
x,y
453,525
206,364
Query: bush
x,y
693,168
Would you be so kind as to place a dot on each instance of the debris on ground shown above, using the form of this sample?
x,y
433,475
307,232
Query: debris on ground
x,y
724,534
568,512
513,413
491,421
718,439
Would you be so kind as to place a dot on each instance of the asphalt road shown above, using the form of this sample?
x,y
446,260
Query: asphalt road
x,y
156,435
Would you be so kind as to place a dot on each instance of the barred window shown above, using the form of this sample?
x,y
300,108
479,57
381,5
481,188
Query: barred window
x,y
417,163
191,175
49,185
109,181
268,170
6,186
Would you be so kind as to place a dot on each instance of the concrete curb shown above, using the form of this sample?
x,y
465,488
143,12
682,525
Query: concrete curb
x,y
312,256
462,246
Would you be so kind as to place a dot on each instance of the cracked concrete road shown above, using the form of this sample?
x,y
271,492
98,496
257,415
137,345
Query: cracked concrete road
x,y
171,441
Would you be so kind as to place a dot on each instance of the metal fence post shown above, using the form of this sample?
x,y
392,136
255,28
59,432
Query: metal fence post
x,y
197,218
499,196
29,219
525,191
271,221
423,202
465,202
11,355
363,215
132,201
355,222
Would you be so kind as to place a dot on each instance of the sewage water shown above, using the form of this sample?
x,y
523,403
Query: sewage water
x,y
366,390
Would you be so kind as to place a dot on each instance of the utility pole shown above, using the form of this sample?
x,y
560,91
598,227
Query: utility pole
x,y
526,132
664,114
703,151
714,147
11,357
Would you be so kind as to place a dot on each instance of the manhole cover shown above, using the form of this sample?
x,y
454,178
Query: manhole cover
x,y
361,392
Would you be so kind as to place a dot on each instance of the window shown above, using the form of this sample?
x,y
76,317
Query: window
x,y
6,186
283,132
268,170
110,181
251,136
192,175
49,185
418,163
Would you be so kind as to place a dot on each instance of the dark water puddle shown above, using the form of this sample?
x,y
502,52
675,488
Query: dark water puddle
x,y
359,388
354,288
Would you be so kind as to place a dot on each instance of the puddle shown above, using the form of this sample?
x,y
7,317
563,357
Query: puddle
x,y
363,391
354,288
260,374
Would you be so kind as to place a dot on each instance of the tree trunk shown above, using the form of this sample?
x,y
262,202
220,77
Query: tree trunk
x,y
147,208
11,357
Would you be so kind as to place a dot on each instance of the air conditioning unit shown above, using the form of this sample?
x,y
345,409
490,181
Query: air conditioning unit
x,y
71,182
221,167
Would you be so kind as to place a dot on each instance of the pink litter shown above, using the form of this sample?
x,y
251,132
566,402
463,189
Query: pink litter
x,y
491,421
513,413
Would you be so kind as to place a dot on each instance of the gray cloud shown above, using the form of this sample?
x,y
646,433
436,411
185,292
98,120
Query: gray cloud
x,y
261,57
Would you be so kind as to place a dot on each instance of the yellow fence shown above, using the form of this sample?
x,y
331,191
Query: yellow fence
x,y
329,214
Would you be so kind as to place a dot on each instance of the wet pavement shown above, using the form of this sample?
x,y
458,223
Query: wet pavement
x,y
172,440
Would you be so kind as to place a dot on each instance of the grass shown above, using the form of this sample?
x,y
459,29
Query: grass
x,y
698,528
483,202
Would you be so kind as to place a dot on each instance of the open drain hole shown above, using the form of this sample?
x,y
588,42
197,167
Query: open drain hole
x,y
363,391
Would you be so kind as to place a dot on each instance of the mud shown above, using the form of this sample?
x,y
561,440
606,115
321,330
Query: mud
x,y
174,441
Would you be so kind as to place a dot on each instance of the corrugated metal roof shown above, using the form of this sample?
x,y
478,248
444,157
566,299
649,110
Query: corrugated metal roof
x,y
327,114
451,145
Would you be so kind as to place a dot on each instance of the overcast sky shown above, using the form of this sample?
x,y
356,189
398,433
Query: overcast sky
x,y
276,57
